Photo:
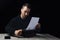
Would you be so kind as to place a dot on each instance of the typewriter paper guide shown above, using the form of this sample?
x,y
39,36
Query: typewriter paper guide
x,y
33,23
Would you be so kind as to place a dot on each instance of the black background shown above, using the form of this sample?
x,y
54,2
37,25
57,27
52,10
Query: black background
x,y
47,11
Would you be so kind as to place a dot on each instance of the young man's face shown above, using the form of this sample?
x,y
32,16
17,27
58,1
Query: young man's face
x,y
25,11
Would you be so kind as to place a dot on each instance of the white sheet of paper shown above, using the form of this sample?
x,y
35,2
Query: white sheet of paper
x,y
33,23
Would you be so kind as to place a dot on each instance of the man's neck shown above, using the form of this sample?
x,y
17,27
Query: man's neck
x,y
22,17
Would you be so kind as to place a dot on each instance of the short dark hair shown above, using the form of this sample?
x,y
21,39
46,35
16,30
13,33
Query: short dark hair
x,y
27,4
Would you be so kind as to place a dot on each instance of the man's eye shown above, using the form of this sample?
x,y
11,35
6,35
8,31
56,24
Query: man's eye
x,y
25,11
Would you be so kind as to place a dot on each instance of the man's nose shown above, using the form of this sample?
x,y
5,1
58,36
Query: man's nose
x,y
26,13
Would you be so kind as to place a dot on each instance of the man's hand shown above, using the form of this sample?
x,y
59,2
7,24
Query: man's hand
x,y
18,32
38,26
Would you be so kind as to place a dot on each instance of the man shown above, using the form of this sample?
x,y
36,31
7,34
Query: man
x,y
17,25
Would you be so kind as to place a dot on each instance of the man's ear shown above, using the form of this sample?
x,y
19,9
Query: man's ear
x,y
21,9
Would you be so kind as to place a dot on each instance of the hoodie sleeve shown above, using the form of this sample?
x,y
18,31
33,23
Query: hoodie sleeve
x,y
10,28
